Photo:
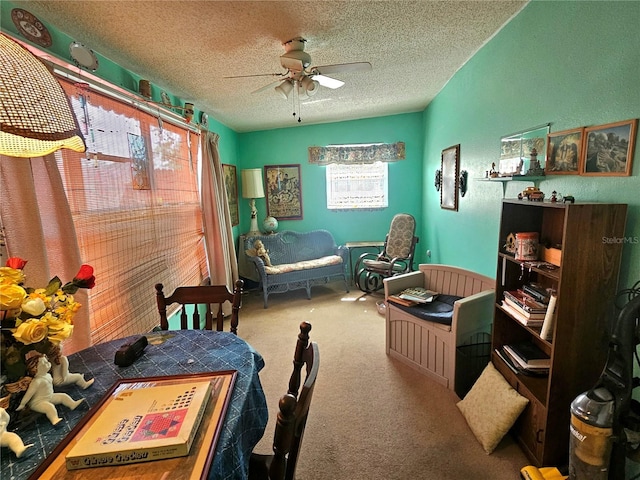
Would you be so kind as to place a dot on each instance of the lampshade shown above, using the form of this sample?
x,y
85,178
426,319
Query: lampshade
x,y
252,183
35,114
309,86
285,88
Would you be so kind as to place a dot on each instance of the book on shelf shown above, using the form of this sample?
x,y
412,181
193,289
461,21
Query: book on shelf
x,y
517,367
529,315
418,294
524,301
529,354
144,423
537,291
522,318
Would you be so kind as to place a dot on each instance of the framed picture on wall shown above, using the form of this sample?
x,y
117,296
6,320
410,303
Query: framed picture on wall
x,y
284,191
608,149
231,186
449,176
564,152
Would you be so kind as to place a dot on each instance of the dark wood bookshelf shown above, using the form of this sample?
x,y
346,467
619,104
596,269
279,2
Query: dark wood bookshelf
x,y
585,286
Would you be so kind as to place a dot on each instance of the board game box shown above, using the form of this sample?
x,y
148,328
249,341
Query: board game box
x,y
148,422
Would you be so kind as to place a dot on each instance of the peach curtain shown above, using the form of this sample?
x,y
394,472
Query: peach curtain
x,y
39,228
219,244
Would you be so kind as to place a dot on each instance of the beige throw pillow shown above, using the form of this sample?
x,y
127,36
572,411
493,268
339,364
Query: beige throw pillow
x,y
491,408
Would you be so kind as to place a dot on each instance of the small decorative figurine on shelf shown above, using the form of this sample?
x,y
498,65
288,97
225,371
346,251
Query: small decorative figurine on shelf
x,y
10,439
534,164
60,370
493,173
40,396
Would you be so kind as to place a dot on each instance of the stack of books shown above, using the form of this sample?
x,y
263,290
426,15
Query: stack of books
x,y
524,308
418,294
525,357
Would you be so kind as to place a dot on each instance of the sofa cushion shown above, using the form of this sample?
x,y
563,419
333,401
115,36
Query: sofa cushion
x,y
304,265
440,310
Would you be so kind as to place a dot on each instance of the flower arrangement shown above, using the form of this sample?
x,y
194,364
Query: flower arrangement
x,y
33,320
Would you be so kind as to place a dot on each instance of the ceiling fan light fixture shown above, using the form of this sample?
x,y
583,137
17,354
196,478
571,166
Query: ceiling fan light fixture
x,y
309,86
285,88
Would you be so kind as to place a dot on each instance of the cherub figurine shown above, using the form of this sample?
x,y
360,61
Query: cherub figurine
x,y
60,370
259,250
10,439
40,395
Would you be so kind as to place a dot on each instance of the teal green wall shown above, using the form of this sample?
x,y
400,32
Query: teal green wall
x,y
290,146
570,64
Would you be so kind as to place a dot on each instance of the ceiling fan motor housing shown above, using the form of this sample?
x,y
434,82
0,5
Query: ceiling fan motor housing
x,y
295,60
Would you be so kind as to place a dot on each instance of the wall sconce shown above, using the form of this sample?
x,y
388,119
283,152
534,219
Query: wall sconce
x,y
463,183
36,118
252,187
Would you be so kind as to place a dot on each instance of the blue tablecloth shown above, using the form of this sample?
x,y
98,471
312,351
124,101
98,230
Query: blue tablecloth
x,y
168,353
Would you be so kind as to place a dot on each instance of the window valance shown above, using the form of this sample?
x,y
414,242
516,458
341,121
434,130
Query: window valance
x,y
362,153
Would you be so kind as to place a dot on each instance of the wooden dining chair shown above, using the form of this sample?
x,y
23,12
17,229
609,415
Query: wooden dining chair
x,y
207,296
292,415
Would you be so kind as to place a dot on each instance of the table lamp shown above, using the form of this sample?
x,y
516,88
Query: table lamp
x,y
252,188
35,115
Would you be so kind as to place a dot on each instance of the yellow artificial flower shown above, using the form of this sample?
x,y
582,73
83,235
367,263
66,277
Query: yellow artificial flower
x,y
11,296
31,331
10,275
59,330
67,311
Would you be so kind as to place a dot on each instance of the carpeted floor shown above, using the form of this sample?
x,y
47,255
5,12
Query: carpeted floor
x,y
371,417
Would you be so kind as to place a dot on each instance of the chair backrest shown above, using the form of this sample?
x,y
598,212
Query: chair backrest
x,y
401,240
207,296
294,408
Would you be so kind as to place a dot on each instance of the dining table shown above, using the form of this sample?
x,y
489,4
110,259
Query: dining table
x,y
168,353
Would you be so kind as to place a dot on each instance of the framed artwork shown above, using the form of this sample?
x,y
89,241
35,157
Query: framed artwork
x,y
564,152
608,149
139,162
450,175
231,186
284,191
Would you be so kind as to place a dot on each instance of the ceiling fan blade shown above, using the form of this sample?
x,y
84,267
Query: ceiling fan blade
x,y
267,86
258,75
328,81
342,67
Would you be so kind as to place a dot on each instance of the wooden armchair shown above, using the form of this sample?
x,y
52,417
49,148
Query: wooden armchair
x,y
430,345
292,417
205,296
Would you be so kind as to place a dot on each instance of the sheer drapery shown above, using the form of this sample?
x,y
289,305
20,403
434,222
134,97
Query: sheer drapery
x,y
219,244
39,228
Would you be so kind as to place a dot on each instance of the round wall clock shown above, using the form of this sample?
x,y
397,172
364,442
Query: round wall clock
x,y
30,27
83,56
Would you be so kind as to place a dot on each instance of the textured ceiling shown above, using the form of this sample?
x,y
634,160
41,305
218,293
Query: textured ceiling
x,y
189,47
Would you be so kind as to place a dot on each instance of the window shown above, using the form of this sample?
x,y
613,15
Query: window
x,y
135,205
355,186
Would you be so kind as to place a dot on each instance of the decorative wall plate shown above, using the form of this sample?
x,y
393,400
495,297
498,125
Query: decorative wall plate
x,y
30,27
83,56
204,119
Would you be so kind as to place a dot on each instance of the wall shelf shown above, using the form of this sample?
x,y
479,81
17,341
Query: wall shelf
x,y
516,178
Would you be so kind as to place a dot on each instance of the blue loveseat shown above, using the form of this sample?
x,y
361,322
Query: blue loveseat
x,y
298,260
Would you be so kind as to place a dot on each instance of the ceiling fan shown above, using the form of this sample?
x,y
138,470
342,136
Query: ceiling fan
x,y
299,73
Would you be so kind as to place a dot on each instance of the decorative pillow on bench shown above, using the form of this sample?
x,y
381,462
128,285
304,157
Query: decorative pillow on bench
x,y
440,310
